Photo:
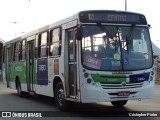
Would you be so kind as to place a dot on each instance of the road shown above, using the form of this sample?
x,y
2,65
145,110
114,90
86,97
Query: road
x,y
10,101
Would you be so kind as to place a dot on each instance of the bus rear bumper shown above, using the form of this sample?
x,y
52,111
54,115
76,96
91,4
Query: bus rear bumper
x,y
91,93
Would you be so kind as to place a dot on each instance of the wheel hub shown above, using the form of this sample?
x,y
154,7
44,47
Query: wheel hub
x,y
60,96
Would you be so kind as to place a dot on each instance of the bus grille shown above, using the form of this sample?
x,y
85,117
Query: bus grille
x,y
120,86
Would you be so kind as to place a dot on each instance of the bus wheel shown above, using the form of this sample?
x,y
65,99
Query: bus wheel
x,y
119,103
60,101
19,90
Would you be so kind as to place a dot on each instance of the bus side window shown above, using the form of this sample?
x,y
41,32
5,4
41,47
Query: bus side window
x,y
36,47
3,57
16,51
42,41
10,54
22,50
55,42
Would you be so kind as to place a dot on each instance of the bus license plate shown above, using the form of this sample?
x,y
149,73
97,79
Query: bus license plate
x,y
124,93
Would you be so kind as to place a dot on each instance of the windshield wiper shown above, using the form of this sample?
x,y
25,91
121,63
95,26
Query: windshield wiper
x,y
110,35
104,28
129,38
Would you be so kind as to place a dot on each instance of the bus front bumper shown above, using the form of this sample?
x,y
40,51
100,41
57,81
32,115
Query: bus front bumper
x,y
91,93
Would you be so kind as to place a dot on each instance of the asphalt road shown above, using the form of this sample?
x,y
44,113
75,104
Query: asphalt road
x,y
10,101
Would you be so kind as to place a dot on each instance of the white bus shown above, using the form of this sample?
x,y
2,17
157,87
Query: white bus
x,y
92,56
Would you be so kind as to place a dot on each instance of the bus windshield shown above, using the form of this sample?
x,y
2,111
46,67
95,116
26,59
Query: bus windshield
x,y
116,47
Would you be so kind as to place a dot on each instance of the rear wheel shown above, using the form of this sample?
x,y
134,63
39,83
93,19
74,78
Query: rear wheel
x,y
19,90
60,101
119,103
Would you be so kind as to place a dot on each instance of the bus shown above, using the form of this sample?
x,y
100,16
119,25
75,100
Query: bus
x,y
92,56
1,48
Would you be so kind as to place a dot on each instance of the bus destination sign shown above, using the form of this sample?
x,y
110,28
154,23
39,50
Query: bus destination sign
x,y
108,17
113,17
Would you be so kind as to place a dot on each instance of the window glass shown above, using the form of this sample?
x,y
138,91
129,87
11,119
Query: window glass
x,y
55,43
4,54
55,35
36,47
23,50
42,41
16,51
43,51
116,48
44,38
9,53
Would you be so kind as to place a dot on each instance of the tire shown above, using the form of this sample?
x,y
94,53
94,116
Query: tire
x,y
119,103
60,101
19,90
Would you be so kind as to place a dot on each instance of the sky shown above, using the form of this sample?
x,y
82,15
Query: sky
x,y
32,14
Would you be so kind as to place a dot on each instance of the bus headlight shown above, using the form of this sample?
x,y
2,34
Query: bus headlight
x,y
152,72
86,75
151,78
89,80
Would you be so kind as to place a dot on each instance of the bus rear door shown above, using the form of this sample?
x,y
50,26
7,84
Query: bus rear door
x,y
30,64
8,60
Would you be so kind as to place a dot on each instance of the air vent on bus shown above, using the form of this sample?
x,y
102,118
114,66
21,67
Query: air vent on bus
x,y
121,86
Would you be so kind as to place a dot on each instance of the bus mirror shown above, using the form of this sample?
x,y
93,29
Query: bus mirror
x,y
149,26
78,34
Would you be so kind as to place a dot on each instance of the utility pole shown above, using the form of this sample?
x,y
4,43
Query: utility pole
x,y
125,5
15,26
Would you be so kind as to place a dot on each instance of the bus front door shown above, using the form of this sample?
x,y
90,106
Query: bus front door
x,y
72,63
30,65
8,60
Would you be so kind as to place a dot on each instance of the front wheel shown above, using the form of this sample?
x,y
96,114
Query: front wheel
x,y
119,103
60,97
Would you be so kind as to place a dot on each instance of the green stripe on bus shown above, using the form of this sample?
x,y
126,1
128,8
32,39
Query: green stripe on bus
x,y
18,69
109,78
